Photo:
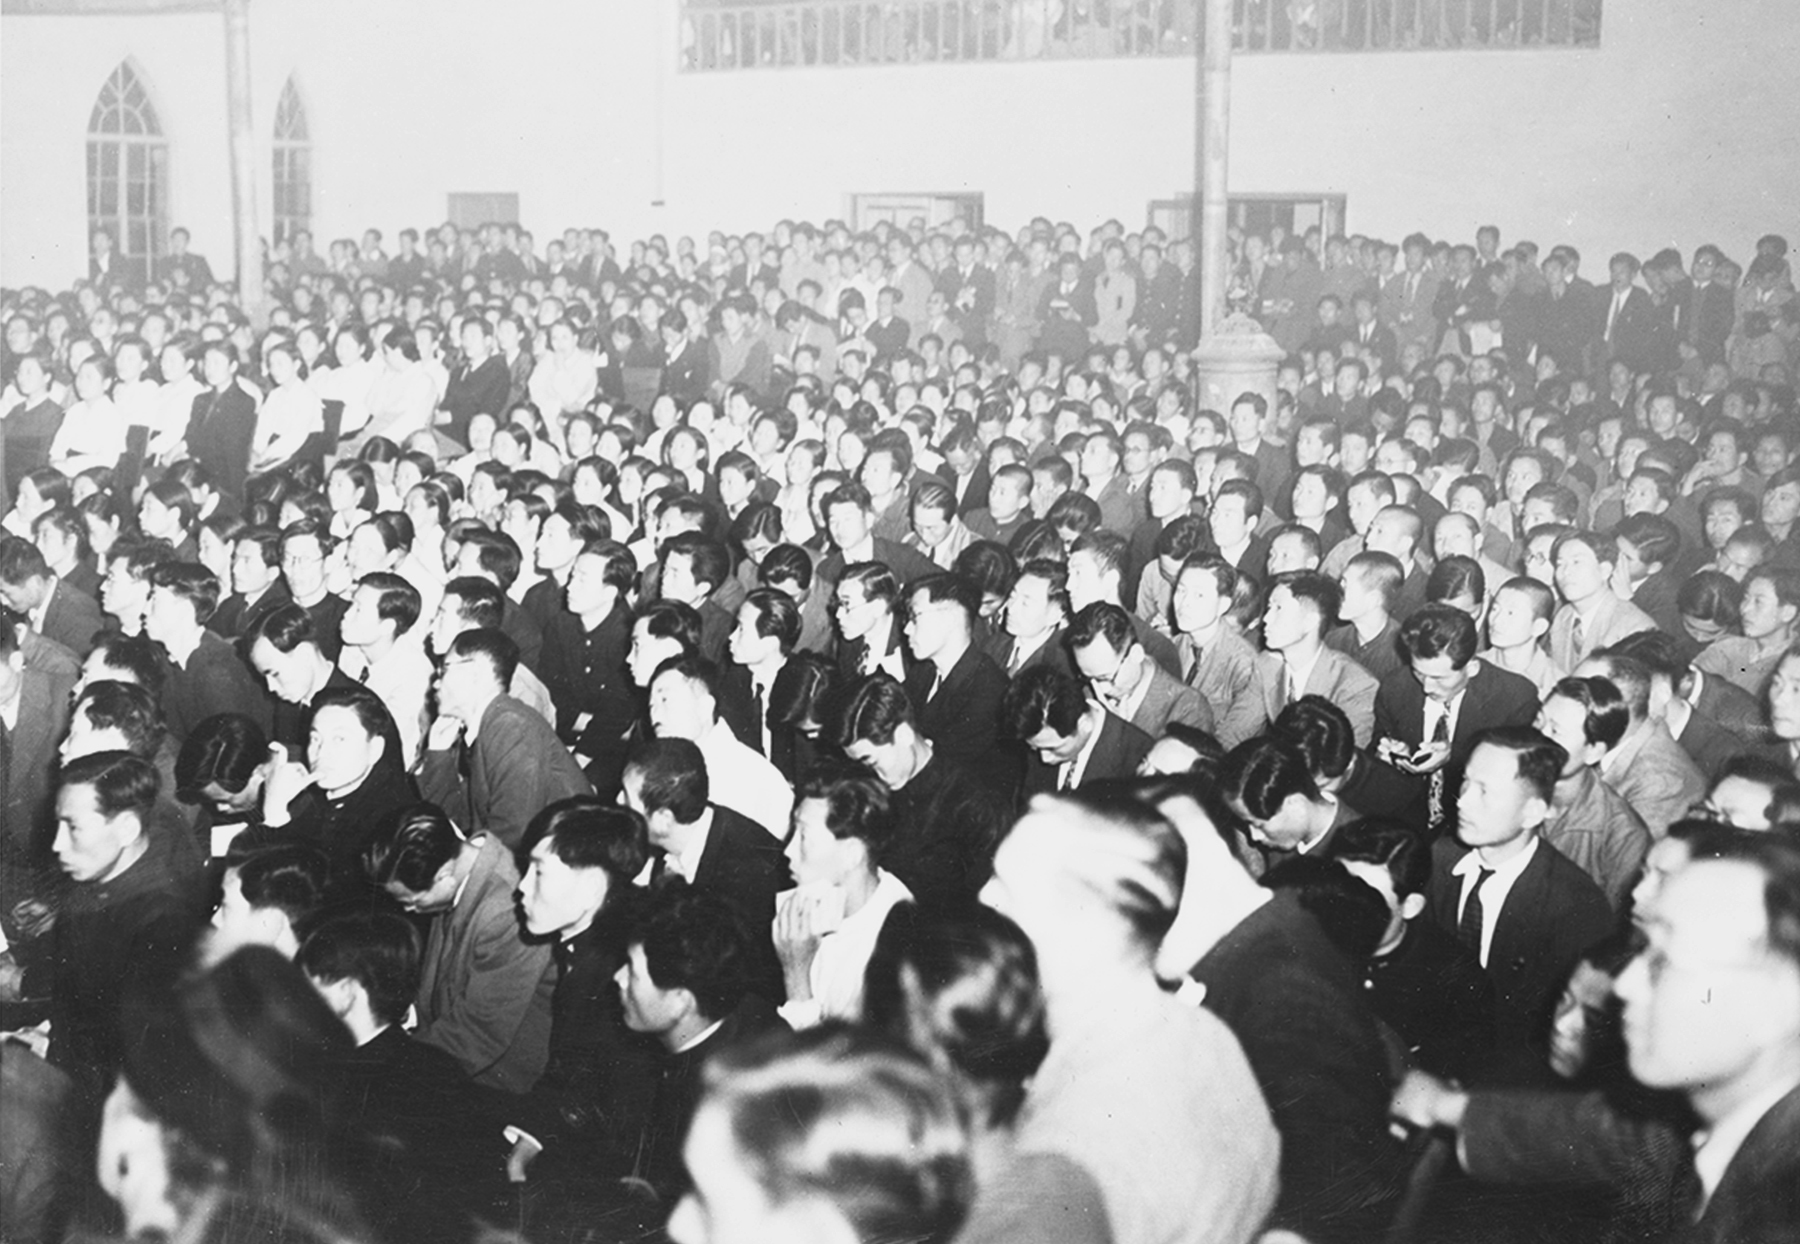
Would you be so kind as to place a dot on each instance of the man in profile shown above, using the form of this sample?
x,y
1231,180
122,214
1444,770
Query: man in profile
x,y
1712,1010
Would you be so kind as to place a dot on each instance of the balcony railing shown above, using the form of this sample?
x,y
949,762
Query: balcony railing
x,y
780,34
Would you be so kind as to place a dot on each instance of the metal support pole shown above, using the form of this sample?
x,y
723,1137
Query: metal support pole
x,y
245,230
1212,130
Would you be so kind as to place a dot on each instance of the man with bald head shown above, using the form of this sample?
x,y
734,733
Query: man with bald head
x,y
1397,531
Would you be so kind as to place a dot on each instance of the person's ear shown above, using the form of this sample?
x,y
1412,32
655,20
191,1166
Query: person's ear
x,y
1540,627
1412,906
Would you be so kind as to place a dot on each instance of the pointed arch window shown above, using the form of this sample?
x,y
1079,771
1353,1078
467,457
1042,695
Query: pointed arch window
x,y
293,166
128,172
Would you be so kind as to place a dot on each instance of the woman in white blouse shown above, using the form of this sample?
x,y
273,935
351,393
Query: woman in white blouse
x,y
138,398
350,380
175,405
93,431
290,414
403,397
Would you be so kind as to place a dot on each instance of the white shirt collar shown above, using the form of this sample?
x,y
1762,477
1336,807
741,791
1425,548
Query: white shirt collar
x,y
1493,894
1715,1147
1075,770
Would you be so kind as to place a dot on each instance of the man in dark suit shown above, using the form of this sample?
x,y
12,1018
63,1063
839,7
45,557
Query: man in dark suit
x,y
948,814
1712,1010
684,985
1428,715
55,608
866,602
965,469
717,851
969,288
1516,902
205,675
1368,332
1300,1011
767,631
1267,782
697,572
1034,621
1465,298
955,687
850,519
1069,739
1627,328
585,647
256,583
410,1095
589,1106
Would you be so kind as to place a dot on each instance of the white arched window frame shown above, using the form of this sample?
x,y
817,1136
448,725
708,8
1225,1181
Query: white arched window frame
x,y
128,172
293,166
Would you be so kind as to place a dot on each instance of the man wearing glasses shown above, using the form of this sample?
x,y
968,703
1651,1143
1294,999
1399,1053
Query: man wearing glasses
x,y
1124,678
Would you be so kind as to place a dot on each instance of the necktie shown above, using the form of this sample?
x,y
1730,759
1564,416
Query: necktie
x,y
1576,636
1435,783
363,677
1468,929
1193,674
1068,776
759,715
1284,693
1412,286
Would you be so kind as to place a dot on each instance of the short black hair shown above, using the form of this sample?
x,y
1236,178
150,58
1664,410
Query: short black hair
x,y
584,832
1043,697
226,750
1540,759
494,647
696,941
857,804
291,877
409,846
674,777
379,950
1439,630
122,782
127,708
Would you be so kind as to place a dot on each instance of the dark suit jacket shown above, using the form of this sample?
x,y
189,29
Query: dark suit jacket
x,y
516,767
1495,697
1052,652
220,430
947,821
1121,749
975,496
1710,745
73,618
907,564
216,680
744,865
963,717
1633,332
850,653
1553,914
235,615
594,1096
1732,707
1299,1010
1758,1200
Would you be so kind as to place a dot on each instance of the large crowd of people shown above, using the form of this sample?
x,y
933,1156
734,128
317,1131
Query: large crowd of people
x,y
819,736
